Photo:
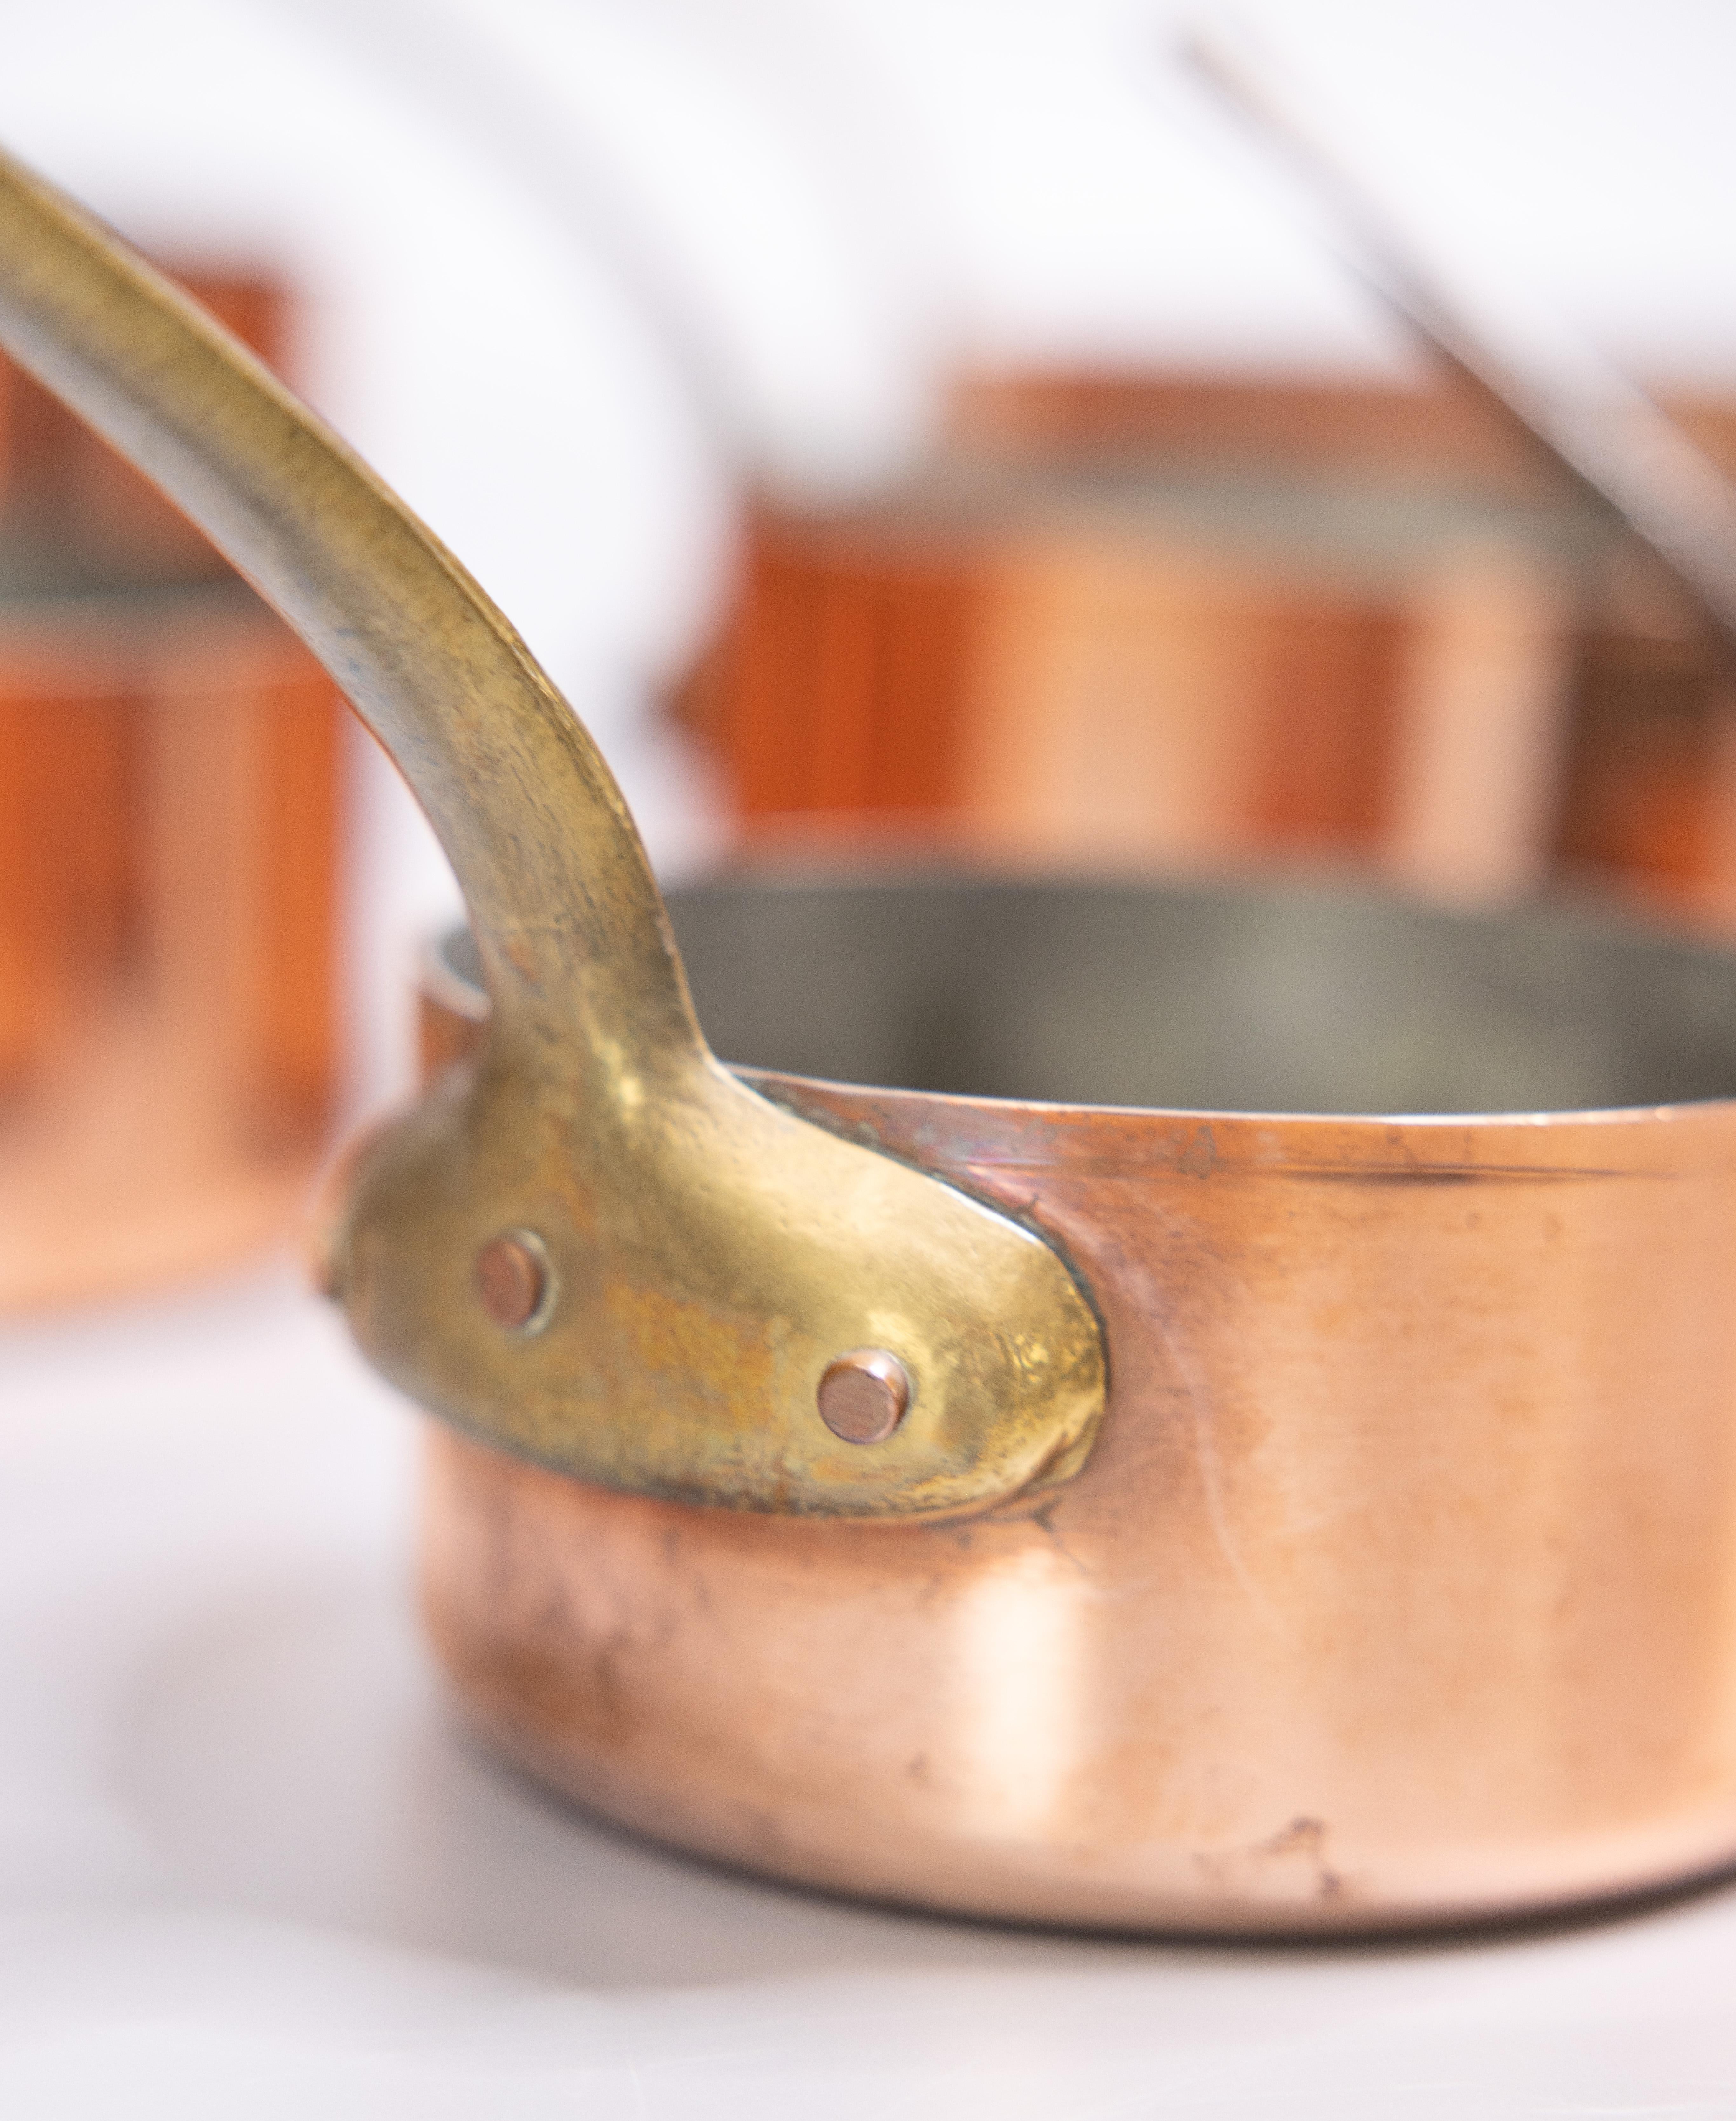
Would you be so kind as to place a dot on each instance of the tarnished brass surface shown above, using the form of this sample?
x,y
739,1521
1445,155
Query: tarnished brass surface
x,y
1401,1586
713,1252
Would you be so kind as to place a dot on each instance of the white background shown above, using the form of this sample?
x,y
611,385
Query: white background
x,y
573,273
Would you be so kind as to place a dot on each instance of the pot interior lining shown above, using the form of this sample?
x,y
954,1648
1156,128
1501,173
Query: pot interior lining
x,y
1259,998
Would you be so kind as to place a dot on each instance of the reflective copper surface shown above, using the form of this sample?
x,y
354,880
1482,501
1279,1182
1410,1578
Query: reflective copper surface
x,y
1394,1580
1401,1588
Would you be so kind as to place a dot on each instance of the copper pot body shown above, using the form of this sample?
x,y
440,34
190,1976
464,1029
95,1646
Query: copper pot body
x,y
1400,1588
1397,1584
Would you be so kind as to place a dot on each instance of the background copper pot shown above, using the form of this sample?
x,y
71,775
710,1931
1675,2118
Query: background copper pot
x,y
1170,620
170,771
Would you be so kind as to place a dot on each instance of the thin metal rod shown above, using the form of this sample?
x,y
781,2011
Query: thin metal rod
x,y
1612,441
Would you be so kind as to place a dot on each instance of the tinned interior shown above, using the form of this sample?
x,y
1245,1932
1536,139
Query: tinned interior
x,y
1253,999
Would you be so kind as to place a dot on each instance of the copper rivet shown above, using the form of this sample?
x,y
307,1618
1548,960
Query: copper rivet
x,y
863,1395
513,1280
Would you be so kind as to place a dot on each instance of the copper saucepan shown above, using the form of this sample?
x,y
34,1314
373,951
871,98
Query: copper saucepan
x,y
964,1494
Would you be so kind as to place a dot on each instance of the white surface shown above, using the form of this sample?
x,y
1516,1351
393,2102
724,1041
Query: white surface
x,y
249,1864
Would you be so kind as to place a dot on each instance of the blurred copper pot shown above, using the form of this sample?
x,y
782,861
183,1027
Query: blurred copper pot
x,y
169,769
1183,621
1243,1438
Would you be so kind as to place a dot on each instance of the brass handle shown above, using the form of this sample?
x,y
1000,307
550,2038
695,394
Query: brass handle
x,y
700,1258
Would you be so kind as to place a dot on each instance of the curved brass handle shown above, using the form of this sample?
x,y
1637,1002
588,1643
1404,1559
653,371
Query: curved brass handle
x,y
706,1255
